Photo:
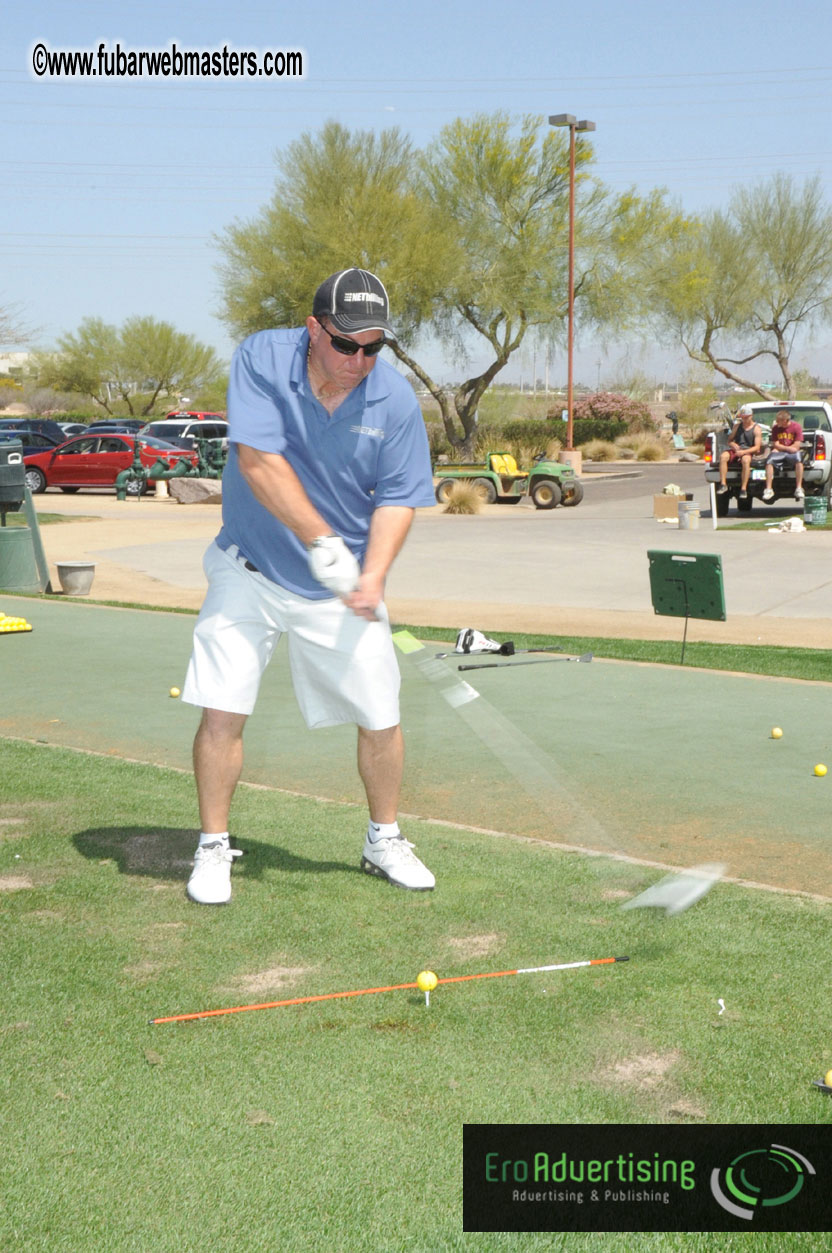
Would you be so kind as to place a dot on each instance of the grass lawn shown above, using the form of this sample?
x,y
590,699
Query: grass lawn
x,y
46,519
338,1126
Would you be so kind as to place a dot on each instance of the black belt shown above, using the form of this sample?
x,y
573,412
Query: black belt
x,y
249,565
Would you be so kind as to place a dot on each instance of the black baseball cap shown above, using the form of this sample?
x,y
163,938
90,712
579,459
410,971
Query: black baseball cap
x,y
353,300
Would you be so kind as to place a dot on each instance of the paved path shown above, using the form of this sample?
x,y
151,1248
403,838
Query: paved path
x,y
572,571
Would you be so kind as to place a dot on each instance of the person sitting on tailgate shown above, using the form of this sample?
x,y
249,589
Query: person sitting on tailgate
x,y
745,442
784,450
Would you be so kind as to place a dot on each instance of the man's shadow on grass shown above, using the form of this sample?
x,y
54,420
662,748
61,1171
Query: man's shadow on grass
x,y
168,853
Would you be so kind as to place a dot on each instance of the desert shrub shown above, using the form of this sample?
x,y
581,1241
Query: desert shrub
x,y
530,432
45,400
648,448
653,446
614,407
599,450
437,440
11,392
524,440
540,433
464,497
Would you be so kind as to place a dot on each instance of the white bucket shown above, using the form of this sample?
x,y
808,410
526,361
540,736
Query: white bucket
x,y
76,577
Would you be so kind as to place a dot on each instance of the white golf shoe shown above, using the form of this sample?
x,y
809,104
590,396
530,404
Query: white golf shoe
x,y
392,859
210,881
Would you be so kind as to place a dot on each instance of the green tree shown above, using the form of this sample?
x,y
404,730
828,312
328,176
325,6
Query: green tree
x,y
470,238
340,199
135,364
750,280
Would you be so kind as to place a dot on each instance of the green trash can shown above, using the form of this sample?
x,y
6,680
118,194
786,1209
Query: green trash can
x,y
12,477
18,566
814,510
18,563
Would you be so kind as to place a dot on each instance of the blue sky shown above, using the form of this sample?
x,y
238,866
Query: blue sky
x,y
113,191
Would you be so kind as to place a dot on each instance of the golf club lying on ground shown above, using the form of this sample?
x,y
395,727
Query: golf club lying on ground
x,y
395,987
508,650
538,661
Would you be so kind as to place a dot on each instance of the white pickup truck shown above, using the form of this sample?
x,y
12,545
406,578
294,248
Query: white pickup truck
x,y
815,417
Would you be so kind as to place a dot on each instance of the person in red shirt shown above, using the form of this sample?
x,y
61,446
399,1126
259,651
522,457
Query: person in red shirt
x,y
784,449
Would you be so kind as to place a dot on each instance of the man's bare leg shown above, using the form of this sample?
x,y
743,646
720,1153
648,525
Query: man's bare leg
x,y
218,760
386,853
381,765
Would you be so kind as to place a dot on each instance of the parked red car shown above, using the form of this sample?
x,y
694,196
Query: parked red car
x,y
95,461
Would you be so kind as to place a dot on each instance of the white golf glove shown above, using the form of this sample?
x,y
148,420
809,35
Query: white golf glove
x,y
333,565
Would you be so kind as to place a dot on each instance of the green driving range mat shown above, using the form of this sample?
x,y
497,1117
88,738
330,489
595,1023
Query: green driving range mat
x,y
667,764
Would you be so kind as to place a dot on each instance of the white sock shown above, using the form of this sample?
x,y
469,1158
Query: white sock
x,y
382,831
213,838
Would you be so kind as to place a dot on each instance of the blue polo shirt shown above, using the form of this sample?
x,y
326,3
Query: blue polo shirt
x,y
372,451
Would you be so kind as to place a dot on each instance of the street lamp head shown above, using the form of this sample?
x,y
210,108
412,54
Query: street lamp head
x,y
585,126
562,119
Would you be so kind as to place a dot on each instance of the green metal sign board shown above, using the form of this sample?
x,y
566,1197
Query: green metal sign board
x,y
687,585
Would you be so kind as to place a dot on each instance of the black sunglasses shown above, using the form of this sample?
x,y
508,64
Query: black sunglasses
x,y
348,347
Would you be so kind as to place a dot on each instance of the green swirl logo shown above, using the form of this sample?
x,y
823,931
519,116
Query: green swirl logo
x,y
760,1177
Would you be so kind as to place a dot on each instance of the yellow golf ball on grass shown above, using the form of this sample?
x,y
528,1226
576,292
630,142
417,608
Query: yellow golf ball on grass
x,y
827,1078
174,691
777,733
426,980
820,770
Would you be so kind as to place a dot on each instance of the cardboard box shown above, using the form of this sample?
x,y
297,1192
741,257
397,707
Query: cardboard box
x,y
666,506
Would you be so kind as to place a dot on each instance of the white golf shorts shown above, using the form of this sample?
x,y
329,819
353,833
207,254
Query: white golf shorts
x,y
343,667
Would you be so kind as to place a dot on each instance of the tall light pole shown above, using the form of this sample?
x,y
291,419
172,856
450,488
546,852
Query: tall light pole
x,y
568,119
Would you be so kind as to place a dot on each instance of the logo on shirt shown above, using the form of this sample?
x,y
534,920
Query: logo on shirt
x,y
375,431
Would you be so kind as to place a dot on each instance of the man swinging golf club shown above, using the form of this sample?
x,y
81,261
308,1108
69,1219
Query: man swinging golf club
x,y
328,458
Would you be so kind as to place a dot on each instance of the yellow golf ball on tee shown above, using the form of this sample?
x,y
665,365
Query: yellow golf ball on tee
x,y
777,733
174,691
426,980
820,770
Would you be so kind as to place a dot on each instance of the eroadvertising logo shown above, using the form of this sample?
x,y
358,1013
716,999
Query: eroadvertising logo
x,y
771,1176
598,1177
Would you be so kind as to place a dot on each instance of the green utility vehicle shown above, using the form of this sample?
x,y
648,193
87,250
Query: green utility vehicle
x,y
549,483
